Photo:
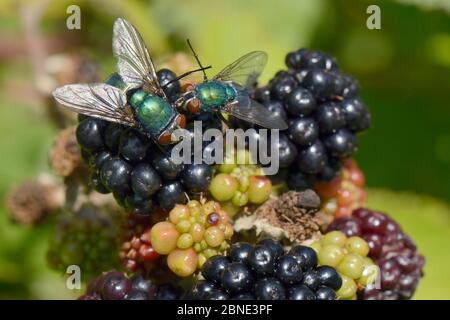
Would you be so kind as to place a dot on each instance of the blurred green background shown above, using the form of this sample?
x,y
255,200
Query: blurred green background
x,y
403,70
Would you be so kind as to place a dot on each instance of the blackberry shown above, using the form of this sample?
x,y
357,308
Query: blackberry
x,y
114,285
400,264
266,272
324,114
87,238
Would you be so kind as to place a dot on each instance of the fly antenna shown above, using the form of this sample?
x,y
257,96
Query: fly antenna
x,y
198,60
184,75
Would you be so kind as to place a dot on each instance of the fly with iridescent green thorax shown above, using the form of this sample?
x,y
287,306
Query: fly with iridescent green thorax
x,y
228,92
145,107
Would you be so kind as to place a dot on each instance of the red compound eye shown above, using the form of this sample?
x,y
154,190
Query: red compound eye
x,y
181,121
165,138
187,87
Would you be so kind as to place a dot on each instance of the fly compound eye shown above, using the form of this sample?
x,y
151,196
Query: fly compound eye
x,y
181,121
193,106
187,87
165,138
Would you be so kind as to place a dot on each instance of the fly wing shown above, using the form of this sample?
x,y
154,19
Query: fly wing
x,y
135,65
251,111
245,70
98,100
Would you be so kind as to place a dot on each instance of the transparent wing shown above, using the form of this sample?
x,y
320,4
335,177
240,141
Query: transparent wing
x,y
249,110
97,100
134,64
245,70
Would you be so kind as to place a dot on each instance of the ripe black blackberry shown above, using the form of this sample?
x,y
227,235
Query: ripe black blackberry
x,y
127,163
266,272
392,250
114,285
324,113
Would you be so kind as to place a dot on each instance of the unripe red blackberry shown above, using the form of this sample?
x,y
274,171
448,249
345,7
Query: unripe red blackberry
x,y
344,193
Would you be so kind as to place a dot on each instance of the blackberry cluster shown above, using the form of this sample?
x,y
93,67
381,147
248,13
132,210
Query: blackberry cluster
x,y
323,111
266,272
193,232
396,255
87,238
114,285
129,164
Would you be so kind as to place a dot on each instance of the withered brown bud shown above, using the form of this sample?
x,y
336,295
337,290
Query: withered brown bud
x,y
65,154
293,216
32,201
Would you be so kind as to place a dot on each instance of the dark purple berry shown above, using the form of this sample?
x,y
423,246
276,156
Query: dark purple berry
x,y
325,293
330,117
112,135
306,256
212,269
288,270
115,287
145,181
300,292
133,145
170,194
312,159
269,289
165,166
262,260
196,177
90,133
303,131
319,82
240,251
300,102
236,278
115,175
341,144
329,277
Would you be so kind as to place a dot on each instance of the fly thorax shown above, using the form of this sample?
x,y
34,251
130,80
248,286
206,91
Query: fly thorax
x,y
154,114
137,98
211,95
